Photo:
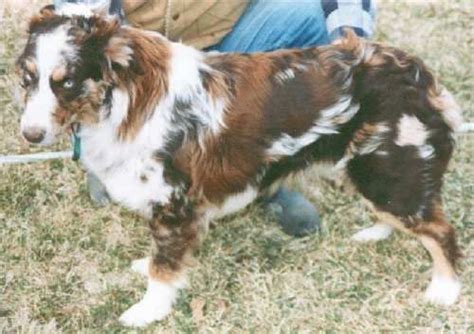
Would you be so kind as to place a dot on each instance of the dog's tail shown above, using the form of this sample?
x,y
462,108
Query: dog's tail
x,y
390,74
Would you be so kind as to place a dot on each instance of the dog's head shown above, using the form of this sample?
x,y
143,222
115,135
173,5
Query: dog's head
x,y
67,70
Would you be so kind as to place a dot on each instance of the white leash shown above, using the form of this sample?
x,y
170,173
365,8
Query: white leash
x,y
36,157
467,127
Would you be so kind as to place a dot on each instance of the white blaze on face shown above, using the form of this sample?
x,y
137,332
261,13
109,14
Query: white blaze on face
x,y
50,52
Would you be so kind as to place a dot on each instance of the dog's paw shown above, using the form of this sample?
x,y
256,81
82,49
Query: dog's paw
x,y
373,233
144,313
443,291
141,266
156,304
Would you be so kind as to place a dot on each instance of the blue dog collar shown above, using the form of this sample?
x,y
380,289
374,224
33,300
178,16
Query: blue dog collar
x,y
76,142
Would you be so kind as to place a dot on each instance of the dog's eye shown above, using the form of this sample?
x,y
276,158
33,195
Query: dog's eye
x,y
68,83
27,80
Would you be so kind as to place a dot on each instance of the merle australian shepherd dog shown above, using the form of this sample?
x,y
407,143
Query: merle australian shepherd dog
x,y
184,137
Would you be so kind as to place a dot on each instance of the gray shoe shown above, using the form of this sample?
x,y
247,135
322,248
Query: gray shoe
x,y
295,214
97,191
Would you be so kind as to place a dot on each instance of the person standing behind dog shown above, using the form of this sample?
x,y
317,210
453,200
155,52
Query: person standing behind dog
x,y
248,26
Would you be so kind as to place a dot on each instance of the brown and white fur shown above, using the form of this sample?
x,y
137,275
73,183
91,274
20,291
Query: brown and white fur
x,y
183,137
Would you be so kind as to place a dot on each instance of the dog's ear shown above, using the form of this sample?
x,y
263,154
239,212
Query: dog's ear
x,y
40,20
48,10
116,48
118,51
108,43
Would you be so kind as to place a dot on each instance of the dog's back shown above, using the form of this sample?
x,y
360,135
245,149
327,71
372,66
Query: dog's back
x,y
353,104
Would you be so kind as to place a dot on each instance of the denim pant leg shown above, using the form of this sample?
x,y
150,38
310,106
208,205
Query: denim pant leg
x,y
275,24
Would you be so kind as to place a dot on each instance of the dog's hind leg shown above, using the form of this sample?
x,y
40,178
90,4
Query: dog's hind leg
x,y
438,237
175,233
409,199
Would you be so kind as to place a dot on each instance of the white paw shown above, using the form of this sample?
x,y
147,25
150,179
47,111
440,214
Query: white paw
x,y
155,305
373,233
443,291
141,266
144,313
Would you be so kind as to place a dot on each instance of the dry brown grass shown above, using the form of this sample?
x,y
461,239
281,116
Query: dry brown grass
x,y
64,264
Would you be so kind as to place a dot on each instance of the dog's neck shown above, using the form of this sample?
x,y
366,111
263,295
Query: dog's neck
x,y
186,101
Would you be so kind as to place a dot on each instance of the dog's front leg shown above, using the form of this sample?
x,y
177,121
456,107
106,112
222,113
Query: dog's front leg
x,y
174,228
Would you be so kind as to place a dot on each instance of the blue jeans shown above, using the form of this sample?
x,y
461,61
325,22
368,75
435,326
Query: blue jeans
x,y
276,24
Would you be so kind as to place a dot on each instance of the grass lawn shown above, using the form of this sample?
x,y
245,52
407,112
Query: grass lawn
x,y
64,264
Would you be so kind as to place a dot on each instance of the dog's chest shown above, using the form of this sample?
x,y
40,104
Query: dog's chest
x,y
137,186
129,173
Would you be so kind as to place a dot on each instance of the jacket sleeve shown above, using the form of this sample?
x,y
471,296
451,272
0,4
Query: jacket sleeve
x,y
356,14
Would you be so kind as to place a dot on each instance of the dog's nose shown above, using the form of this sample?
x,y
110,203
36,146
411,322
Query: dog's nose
x,y
34,134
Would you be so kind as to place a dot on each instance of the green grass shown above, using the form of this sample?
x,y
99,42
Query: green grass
x,y
64,264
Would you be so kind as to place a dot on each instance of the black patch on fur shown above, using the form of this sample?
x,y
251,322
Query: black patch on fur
x,y
391,189
108,101
92,60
